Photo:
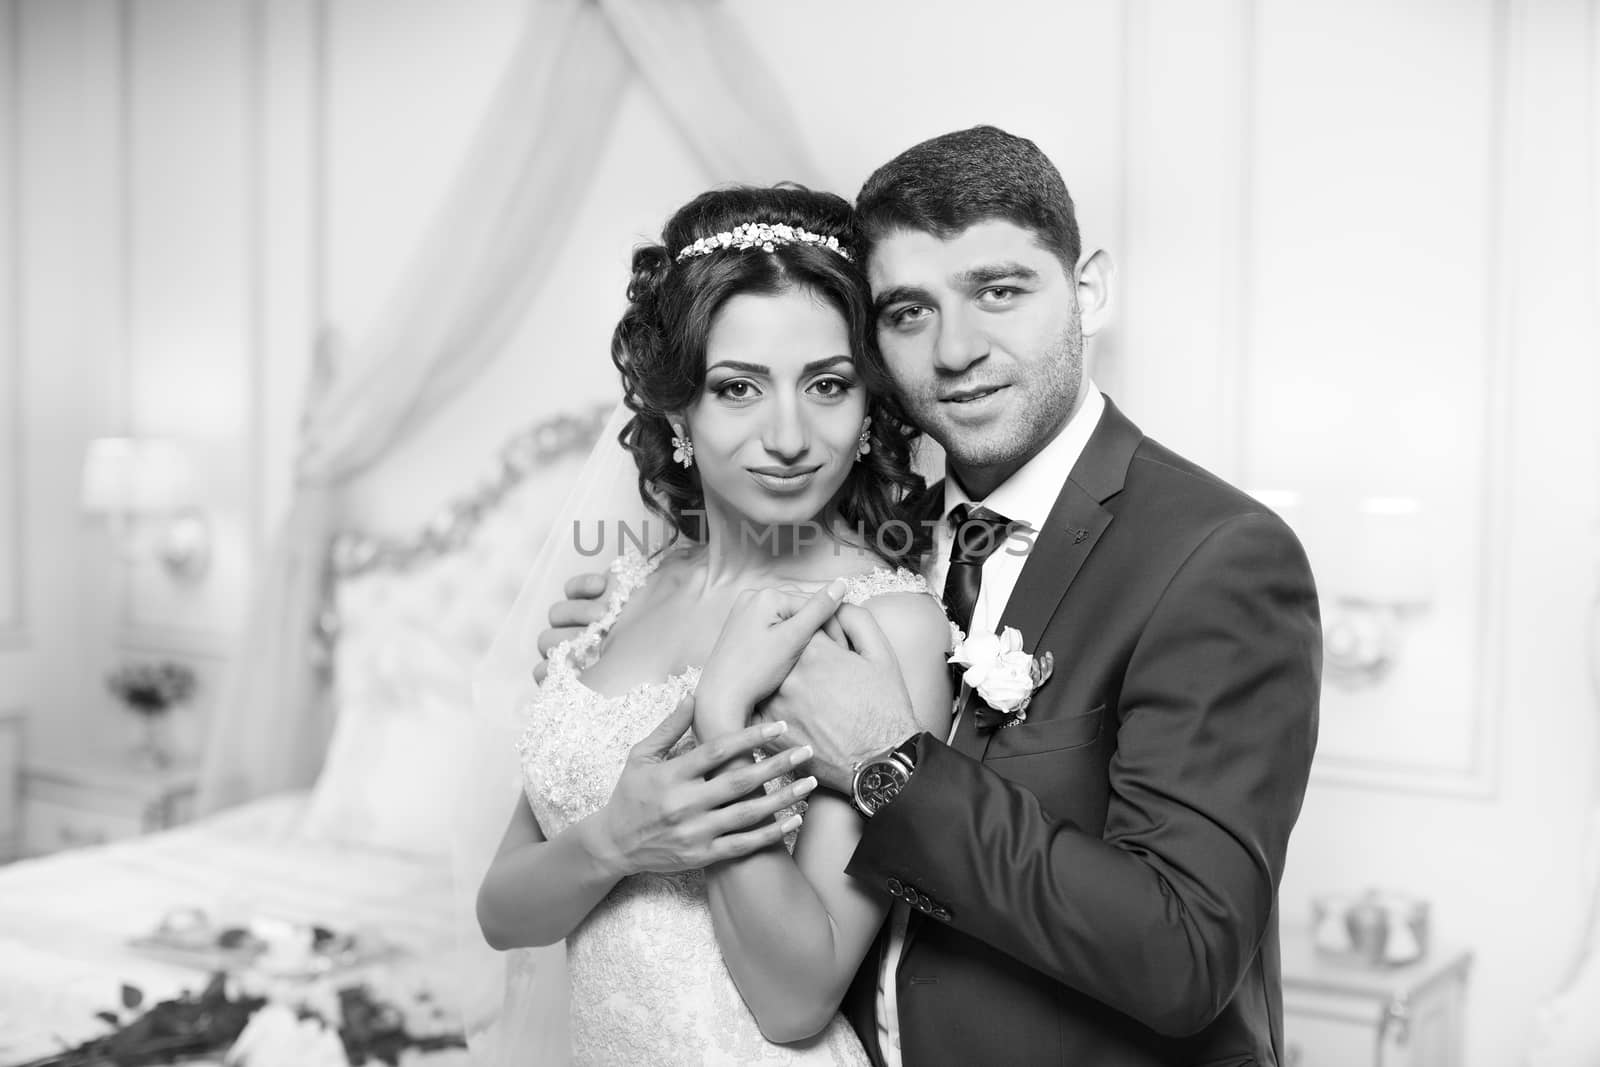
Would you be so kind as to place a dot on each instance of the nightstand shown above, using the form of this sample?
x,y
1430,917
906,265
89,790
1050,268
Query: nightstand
x,y
90,801
1346,1015
10,784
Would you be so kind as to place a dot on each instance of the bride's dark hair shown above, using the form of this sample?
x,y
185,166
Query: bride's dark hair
x,y
659,347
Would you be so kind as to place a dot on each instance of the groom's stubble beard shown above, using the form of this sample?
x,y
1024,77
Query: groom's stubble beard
x,y
1046,393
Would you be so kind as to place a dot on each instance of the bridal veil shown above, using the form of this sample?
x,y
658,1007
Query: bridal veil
x,y
514,1004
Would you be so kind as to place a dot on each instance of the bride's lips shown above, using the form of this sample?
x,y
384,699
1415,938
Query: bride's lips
x,y
784,479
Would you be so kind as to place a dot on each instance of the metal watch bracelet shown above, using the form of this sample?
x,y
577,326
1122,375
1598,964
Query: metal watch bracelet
x,y
878,779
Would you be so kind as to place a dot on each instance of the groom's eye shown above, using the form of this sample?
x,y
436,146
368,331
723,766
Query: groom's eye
x,y
909,315
997,294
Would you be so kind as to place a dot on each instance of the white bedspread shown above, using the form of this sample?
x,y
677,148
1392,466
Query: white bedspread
x,y
65,920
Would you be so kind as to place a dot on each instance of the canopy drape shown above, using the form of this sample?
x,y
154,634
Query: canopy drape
x,y
483,258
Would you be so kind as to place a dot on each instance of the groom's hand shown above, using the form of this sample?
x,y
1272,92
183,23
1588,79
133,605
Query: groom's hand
x,y
586,602
845,698
665,814
764,634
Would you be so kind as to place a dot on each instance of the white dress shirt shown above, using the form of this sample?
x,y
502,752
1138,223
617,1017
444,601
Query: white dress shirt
x,y
1025,498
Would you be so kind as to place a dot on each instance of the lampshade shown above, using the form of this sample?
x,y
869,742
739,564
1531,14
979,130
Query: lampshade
x,y
134,476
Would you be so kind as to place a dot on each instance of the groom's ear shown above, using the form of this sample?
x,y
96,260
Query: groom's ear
x,y
1094,278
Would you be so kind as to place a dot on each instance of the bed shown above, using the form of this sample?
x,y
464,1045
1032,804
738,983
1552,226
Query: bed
x,y
371,847
66,921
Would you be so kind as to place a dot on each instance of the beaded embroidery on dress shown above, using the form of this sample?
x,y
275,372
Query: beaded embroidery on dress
x,y
647,978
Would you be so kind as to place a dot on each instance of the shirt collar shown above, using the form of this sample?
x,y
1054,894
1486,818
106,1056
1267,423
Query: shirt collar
x,y
1028,495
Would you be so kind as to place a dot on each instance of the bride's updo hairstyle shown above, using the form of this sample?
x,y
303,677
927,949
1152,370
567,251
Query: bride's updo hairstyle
x,y
659,346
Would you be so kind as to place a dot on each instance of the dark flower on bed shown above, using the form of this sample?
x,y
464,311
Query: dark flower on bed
x,y
370,1029
151,688
189,1025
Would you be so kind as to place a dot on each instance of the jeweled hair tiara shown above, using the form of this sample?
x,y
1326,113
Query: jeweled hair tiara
x,y
763,235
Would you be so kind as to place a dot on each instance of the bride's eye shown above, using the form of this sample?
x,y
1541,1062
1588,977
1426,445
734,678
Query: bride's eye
x,y
832,388
735,389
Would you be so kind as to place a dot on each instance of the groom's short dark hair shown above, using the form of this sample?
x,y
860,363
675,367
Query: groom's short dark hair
x,y
946,184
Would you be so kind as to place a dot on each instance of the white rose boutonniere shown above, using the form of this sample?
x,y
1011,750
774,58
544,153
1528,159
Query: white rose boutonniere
x,y
1004,675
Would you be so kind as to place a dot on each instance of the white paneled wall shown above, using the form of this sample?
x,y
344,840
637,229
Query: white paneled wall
x,y
1357,257
63,336
1377,271
159,154
13,612
190,263
1317,269
1361,262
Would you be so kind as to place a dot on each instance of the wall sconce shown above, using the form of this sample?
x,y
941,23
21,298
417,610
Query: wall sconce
x,y
1386,581
142,487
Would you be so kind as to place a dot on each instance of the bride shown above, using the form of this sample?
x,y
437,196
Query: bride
x,y
703,924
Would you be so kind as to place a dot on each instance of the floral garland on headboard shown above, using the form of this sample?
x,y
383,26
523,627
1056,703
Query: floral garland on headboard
x,y
354,553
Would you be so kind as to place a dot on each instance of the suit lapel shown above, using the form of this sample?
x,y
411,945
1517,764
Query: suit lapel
x,y
1076,522
1060,549
1074,527
967,740
1070,534
1058,553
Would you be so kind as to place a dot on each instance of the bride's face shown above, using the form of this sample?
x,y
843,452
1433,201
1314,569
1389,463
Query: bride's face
x,y
776,425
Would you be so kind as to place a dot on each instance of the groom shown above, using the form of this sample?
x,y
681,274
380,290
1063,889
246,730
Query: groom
x,y
1093,881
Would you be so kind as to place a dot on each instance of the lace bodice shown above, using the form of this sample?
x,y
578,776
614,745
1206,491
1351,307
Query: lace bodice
x,y
647,977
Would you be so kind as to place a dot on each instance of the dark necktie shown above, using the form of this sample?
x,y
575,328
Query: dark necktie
x,y
978,535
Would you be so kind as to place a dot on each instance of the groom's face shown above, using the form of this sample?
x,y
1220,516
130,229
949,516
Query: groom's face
x,y
981,333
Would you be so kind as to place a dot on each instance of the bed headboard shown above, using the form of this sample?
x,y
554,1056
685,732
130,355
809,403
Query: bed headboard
x,y
468,561
404,625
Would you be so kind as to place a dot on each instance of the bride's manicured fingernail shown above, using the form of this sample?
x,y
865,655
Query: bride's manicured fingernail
x,y
791,824
804,786
837,587
799,755
774,729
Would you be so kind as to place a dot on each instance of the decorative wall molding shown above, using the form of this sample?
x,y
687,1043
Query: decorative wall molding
x,y
1593,185
1236,272
122,36
1477,777
291,97
1182,286
1215,212
267,46
13,476
255,269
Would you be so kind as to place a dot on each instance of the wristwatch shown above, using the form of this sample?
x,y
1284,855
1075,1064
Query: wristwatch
x,y
878,779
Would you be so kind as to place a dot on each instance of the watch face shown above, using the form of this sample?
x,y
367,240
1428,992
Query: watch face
x,y
880,782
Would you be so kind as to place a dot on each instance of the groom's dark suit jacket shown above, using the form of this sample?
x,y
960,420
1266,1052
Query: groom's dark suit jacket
x,y
1098,885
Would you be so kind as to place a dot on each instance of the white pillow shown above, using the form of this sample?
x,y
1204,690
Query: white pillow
x,y
401,757
389,780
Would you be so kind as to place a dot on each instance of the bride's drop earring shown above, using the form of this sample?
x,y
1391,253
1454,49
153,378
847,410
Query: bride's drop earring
x,y
864,442
682,447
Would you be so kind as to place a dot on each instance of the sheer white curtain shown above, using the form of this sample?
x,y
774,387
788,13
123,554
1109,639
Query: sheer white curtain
x,y
489,248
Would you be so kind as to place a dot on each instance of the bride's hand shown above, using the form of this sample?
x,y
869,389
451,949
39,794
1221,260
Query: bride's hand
x,y
761,639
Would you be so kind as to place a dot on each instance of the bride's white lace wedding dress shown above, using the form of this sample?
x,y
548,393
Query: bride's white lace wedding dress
x,y
647,978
